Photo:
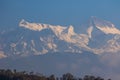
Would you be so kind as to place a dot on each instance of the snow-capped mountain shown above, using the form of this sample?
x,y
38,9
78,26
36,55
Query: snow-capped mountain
x,y
59,49
35,39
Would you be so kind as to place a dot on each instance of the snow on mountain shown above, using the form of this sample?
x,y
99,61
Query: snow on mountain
x,y
89,31
2,55
35,39
105,26
71,30
107,42
112,45
101,37
32,26
63,33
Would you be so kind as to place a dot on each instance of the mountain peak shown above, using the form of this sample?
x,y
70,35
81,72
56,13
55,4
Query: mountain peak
x,y
102,23
44,38
105,26
32,26
71,30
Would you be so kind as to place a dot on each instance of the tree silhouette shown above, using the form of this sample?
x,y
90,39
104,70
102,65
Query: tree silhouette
x,y
52,77
67,76
23,75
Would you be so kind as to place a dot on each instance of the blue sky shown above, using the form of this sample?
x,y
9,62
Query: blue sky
x,y
61,12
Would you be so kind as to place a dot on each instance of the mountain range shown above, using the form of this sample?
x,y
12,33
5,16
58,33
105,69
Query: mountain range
x,y
57,49
35,39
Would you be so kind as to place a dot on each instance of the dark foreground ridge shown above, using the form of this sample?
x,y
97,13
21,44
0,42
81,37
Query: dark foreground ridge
x,y
23,75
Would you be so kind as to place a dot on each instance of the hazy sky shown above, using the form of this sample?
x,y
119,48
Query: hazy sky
x,y
61,12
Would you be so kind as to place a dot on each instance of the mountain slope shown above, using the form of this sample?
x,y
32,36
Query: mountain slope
x,y
58,49
105,26
35,39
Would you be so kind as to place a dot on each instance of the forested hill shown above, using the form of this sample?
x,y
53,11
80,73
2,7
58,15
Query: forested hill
x,y
23,75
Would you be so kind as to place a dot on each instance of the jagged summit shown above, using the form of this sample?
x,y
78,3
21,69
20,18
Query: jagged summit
x,y
39,39
105,26
34,46
33,26
101,23
71,30
66,34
